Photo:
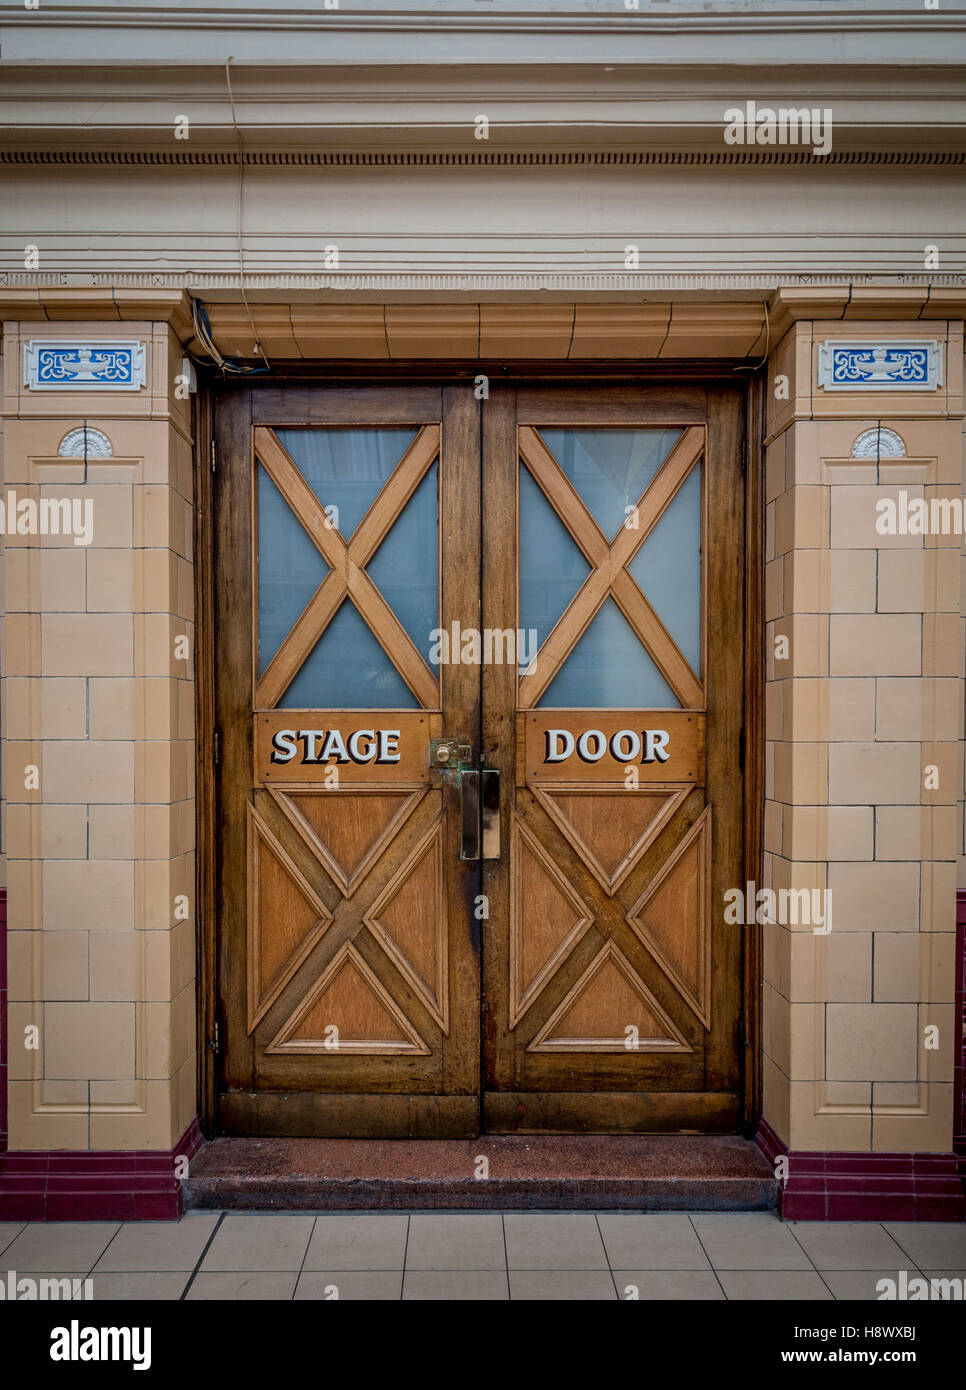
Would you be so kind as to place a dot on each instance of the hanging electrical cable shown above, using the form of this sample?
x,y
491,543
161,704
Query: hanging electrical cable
x,y
200,320
202,330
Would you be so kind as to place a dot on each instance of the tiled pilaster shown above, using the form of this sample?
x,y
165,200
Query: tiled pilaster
x,y
98,698
868,698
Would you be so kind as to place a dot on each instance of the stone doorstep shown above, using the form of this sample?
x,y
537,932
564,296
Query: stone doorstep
x,y
580,1172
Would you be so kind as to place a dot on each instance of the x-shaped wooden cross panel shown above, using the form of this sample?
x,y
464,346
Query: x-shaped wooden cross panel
x,y
609,562
347,576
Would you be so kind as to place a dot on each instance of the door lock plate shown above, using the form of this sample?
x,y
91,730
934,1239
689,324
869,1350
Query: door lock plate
x,y
449,753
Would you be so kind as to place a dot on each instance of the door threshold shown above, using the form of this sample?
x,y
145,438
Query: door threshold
x,y
533,1172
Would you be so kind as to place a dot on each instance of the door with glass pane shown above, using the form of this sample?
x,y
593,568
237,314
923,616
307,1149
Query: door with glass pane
x,y
347,536
614,547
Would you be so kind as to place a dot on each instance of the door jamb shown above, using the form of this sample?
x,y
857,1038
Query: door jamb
x,y
602,373
753,745
206,1031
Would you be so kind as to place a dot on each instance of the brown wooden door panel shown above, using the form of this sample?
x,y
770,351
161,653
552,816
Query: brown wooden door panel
x,y
348,947
364,989
615,1066
656,403
346,405
607,971
289,1051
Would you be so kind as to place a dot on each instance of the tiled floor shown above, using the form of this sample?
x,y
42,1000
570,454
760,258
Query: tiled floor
x,y
545,1255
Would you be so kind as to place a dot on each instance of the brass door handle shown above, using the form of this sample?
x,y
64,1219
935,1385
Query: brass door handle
x,y
469,779
490,812
479,813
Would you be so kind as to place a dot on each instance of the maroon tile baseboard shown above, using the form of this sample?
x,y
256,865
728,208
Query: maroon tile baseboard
x,y
58,1185
3,1019
959,1072
866,1186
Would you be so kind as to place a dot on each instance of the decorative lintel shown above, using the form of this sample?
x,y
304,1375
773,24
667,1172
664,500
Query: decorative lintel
x,y
857,365
62,365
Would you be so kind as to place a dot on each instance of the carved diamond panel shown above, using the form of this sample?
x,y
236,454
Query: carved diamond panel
x,y
547,918
610,830
672,918
286,917
409,919
348,1011
609,1009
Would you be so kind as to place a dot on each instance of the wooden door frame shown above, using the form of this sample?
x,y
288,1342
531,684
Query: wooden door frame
x,y
466,372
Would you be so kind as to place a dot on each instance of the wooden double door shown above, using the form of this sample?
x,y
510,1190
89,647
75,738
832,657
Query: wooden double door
x,y
478,670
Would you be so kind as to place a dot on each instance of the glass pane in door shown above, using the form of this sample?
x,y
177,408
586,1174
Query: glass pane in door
x,y
609,669
610,468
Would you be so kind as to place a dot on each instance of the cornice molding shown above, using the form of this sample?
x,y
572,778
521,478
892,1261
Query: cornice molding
x,y
661,33
503,158
743,328
790,298
407,95
504,16
83,303
172,284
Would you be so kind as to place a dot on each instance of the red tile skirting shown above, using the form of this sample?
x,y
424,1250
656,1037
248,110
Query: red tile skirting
x,y
959,1073
866,1186
3,1020
139,1185
874,1187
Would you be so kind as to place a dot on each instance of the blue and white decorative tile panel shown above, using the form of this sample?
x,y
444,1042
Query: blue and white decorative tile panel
x,y
871,366
117,365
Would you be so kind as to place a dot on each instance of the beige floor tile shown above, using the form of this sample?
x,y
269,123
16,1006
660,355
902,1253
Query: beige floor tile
x,y
552,1240
247,1241
131,1286
850,1245
455,1286
358,1241
858,1284
66,1245
675,1285
260,1286
9,1230
161,1246
949,1293
384,1285
562,1285
635,1240
455,1241
938,1244
773,1286
748,1240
